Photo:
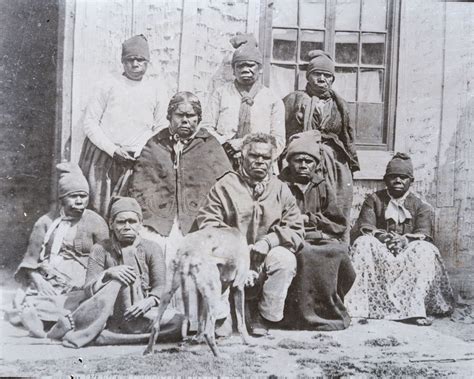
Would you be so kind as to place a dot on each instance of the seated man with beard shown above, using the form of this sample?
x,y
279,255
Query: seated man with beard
x,y
263,209
53,270
325,273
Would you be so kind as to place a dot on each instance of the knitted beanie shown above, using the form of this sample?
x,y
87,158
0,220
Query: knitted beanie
x,y
400,164
305,143
123,204
137,46
70,179
246,49
320,61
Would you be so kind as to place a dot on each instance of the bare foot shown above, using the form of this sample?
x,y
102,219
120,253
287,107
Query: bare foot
x,y
31,321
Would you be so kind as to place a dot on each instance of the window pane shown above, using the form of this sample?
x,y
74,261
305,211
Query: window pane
x,y
285,12
302,77
284,44
347,48
310,40
370,86
312,13
373,48
370,123
346,83
347,14
282,79
374,15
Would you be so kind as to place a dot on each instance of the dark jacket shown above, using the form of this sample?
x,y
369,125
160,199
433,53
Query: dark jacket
x,y
91,228
163,192
273,215
338,132
372,216
319,204
150,261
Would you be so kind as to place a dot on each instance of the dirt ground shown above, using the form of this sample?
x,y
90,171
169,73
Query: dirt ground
x,y
375,348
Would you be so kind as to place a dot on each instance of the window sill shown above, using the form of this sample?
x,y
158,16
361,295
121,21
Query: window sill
x,y
372,164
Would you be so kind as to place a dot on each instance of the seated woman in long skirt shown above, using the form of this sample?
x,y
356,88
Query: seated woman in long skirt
x,y
325,273
400,273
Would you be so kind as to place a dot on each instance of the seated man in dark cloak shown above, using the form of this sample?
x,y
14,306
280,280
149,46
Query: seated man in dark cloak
x,y
325,273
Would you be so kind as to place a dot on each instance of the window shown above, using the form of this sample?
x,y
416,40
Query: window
x,y
360,36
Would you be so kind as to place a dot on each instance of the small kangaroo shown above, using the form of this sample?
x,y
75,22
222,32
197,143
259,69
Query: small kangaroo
x,y
214,258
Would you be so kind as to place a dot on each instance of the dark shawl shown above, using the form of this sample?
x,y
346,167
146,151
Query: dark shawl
x,y
163,192
339,129
372,216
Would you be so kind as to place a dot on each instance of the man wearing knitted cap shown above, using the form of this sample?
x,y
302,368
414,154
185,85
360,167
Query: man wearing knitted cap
x,y
400,273
318,107
245,105
126,275
325,272
53,270
125,110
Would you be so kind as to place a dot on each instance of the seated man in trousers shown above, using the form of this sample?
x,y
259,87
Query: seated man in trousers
x,y
264,210
126,275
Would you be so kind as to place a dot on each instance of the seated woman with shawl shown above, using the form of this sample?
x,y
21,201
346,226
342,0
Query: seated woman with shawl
x,y
400,273
53,270
324,273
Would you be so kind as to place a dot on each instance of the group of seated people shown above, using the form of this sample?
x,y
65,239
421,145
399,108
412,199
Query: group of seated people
x,y
278,171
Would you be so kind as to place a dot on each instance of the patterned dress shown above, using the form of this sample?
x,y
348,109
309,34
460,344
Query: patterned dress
x,y
411,284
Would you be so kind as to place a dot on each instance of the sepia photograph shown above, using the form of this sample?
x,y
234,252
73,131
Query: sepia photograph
x,y
237,188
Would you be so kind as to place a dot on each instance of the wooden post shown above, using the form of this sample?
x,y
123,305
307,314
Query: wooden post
x,y
187,46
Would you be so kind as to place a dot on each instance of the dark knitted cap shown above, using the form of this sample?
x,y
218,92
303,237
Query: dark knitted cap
x,y
400,164
246,49
123,204
320,61
70,179
305,143
137,46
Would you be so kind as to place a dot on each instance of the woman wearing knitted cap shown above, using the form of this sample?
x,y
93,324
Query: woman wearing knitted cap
x,y
400,273
318,107
324,273
126,109
244,106
53,270
126,275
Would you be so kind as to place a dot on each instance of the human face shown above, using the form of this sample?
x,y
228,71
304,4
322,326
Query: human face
x,y
184,120
257,160
134,67
126,226
246,72
301,167
321,80
75,203
397,184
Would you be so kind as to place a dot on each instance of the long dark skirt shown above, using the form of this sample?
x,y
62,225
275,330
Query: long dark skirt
x,y
103,174
316,297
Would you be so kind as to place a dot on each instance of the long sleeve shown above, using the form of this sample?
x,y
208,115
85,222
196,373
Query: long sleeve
x,y
95,270
277,127
157,270
92,121
32,255
422,221
210,117
330,220
289,232
367,218
212,213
